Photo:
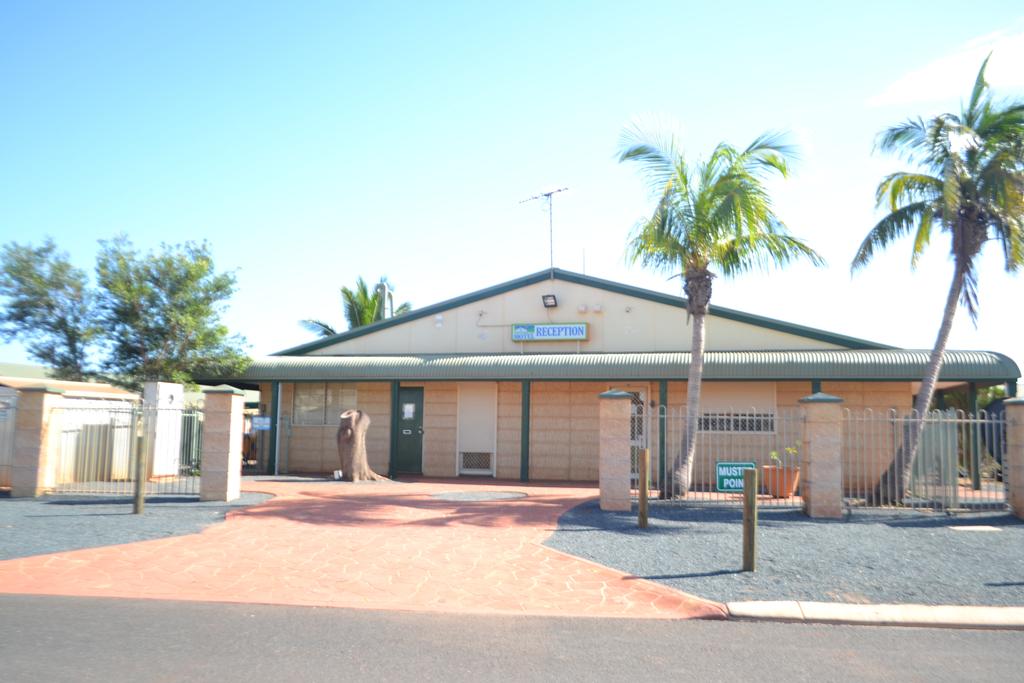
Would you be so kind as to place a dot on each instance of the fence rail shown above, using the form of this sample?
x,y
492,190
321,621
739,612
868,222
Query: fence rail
x,y
959,465
727,443
101,448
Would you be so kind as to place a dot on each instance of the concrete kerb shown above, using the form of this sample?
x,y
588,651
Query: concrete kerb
x,y
927,616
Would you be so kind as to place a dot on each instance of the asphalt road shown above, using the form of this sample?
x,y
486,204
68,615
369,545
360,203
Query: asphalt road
x,y
85,639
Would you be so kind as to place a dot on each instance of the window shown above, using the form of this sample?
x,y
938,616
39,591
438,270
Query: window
x,y
309,404
737,407
319,403
736,422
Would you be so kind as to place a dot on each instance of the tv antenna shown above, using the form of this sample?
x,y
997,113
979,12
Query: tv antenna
x,y
551,225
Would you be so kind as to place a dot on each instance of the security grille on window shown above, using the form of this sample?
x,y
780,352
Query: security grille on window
x,y
319,403
731,422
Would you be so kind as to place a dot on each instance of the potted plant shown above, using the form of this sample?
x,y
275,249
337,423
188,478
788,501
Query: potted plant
x,y
782,478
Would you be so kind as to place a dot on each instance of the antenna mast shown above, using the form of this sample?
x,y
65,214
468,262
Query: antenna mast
x,y
551,224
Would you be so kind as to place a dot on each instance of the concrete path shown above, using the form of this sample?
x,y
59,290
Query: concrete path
x,y
393,546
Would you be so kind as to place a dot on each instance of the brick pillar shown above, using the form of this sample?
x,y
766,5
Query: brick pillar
x,y
221,471
821,464
613,450
1013,457
36,441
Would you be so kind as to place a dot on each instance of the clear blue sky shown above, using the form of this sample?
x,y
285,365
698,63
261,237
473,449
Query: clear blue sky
x,y
311,143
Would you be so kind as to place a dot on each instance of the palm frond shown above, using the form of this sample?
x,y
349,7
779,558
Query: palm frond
x,y
893,226
980,86
318,327
656,156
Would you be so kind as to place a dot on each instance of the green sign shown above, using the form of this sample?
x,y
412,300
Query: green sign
x,y
729,476
535,332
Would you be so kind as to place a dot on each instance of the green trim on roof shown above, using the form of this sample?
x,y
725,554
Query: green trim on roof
x,y
896,365
587,280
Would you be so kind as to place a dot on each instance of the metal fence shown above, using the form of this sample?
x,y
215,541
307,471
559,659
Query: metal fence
x,y
727,443
959,465
8,408
101,449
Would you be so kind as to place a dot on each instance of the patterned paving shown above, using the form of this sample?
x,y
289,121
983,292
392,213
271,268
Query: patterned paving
x,y
374,546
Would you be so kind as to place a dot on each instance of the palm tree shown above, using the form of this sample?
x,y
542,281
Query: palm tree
x,y
969,183
712,214
361,307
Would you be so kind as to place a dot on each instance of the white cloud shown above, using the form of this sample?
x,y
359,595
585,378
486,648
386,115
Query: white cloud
x,y
951,76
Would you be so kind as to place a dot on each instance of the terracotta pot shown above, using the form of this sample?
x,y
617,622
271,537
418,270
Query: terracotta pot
x,y
780,482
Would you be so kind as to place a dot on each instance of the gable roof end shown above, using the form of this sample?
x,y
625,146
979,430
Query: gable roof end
x,y
589,281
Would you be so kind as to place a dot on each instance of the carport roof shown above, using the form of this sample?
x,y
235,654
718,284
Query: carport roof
x,y
849,365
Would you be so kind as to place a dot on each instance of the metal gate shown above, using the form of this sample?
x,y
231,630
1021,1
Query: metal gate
x,y
8,408
728,443
102,449
959,464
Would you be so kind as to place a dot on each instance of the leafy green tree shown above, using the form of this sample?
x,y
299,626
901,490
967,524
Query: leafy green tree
x,y
360,306
48,307
969,182
161,312
711,214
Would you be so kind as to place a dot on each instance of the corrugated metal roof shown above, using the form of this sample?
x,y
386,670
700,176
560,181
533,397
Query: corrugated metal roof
x,y
718,365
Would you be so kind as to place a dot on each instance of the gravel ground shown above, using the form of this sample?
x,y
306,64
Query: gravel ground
x,y
872,557
35,526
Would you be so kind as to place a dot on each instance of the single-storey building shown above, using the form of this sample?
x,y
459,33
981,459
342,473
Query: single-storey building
x,y
504,381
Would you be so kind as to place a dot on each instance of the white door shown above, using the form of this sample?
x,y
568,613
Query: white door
x,y
477,449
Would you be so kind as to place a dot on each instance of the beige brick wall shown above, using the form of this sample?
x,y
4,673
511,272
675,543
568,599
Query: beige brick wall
x,y
311,449
510,411
563,430
440,420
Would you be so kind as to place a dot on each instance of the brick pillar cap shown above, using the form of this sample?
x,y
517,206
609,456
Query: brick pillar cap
x,y
821,398
233,392
1014,402
47,389
615,393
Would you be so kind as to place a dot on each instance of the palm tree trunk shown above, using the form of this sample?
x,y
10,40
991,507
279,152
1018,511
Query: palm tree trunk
x,y
684,465
894,481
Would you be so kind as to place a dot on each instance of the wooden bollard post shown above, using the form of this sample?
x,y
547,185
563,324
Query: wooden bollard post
x,y
139,504
749,520
641,517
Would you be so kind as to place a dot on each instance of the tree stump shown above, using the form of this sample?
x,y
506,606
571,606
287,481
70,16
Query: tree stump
x,y
351,440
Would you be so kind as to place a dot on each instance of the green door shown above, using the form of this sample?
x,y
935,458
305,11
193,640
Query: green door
x,y
409,453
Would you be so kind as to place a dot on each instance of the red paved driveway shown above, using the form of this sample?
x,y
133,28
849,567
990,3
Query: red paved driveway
x,y
374,546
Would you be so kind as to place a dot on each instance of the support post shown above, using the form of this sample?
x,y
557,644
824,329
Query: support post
x,y
36,441
821,476
524,435
645,477
613,450
223,424
1013,457
975,435
662,438
396,411
275,426
750,520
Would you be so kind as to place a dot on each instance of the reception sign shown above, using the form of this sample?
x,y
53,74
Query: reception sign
x,y
539,332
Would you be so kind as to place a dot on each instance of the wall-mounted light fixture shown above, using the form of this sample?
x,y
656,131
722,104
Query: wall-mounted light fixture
x,y
438,320
550,300
582,308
